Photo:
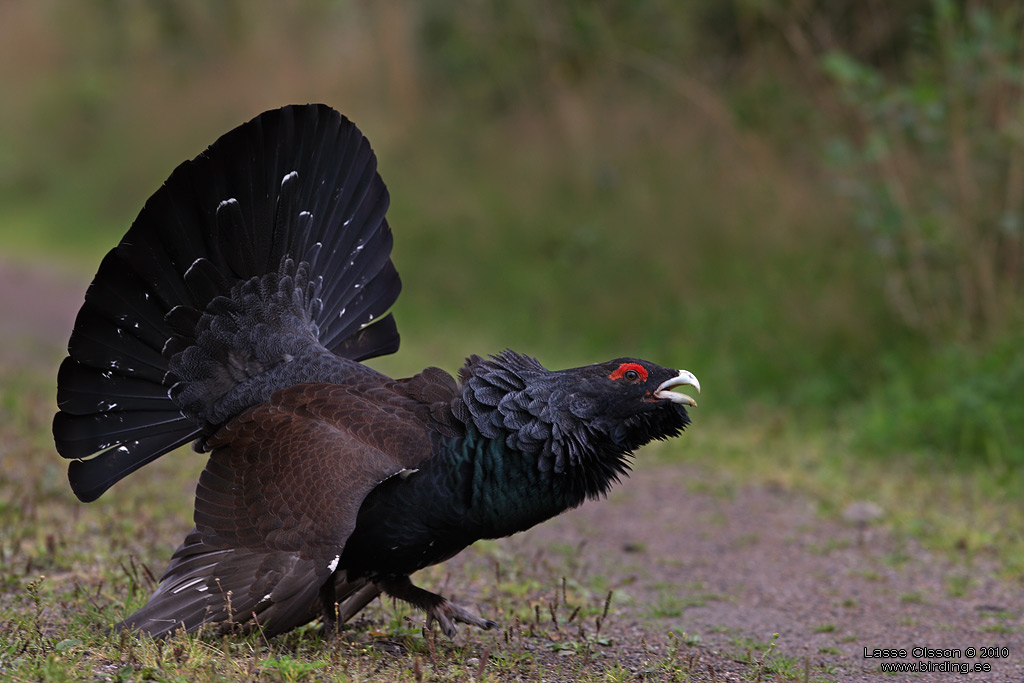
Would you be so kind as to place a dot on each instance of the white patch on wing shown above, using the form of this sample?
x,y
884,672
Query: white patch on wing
x,y
188,584
403,473
334,563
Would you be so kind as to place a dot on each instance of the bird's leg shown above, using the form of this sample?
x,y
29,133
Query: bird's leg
x,y
357,601
338,609
329,606
438,608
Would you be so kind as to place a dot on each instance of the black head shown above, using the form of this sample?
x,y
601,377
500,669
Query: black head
x,y
584,422
629,401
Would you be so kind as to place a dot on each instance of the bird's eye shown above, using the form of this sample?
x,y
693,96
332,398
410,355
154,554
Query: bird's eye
x,y
631,372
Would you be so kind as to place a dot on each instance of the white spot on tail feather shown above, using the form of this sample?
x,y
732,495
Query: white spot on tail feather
x,y
289,176
189,270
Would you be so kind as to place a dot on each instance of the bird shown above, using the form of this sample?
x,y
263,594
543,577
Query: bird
x,y
236,314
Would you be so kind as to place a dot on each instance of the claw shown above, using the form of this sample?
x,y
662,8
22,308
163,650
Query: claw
x,y
438,609
446,613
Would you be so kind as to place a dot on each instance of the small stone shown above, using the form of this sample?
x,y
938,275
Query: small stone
x,y
862,512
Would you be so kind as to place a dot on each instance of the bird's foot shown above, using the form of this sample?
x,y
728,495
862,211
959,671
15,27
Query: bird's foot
x,y
438,608
446,613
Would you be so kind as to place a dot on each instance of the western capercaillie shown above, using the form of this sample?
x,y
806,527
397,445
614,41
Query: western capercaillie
x,y
235,314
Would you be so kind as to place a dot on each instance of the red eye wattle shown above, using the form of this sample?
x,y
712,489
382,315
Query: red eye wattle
x,y
631,372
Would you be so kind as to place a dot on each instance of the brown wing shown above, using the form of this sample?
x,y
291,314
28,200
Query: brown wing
x,y
291,474
276,503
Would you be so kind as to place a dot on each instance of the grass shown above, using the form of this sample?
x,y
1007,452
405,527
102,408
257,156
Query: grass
x,y
914,598
766,662
54,631
673,601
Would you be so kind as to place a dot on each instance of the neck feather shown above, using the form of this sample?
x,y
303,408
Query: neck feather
x,y
514,399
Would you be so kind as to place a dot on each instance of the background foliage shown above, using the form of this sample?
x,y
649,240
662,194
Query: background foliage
x,y
815,205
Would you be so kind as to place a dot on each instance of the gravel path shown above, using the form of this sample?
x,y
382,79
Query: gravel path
x,y
38,305
736,569
728,569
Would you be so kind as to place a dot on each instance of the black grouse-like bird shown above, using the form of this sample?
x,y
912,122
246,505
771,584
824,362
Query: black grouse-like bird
x,y
234,314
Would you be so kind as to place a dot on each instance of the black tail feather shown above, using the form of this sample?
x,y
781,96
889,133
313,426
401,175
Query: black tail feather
x,y
91,478
83,391
372,341
294,193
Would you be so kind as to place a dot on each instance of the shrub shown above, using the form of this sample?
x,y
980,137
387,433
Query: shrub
x,y
934,163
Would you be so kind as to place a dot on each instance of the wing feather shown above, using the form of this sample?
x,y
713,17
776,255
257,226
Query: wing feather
x,y
276,504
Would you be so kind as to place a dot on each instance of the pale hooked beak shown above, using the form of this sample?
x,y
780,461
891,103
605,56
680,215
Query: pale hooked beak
x,y
664,390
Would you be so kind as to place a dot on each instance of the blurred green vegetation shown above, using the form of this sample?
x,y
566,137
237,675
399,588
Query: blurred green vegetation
x,y
815,205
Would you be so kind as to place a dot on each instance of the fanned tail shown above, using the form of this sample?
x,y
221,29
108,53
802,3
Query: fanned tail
x,y
259,263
